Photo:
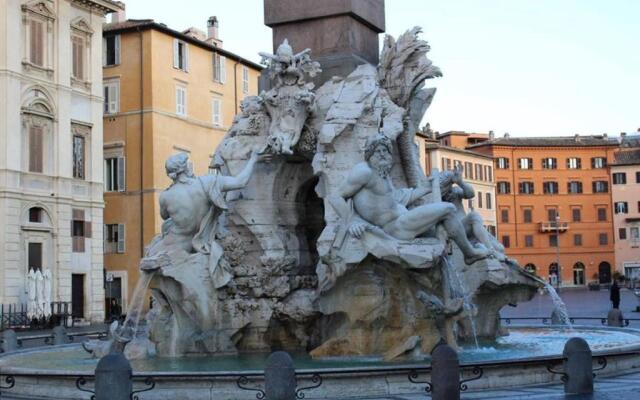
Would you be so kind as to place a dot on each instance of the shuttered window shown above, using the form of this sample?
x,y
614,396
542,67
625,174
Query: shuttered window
x,y
216,106
245,80
111,97
78,157
80,230
111,50
181,101
77,65
114,238
36,42
36,151
114,174
219,68
180,55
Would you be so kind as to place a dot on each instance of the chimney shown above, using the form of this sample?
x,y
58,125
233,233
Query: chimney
x,y
119,16
212,32
491,135
506,135
623,134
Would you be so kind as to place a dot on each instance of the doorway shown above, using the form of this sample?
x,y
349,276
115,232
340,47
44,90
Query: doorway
x,y
578,274
604,272
113,297
77,295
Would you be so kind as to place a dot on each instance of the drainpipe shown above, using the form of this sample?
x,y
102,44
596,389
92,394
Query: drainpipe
x,y
235,87
513,193
141,143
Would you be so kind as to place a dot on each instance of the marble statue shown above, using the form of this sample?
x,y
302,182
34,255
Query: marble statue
x,y
454,190
291,100
337,244
32,296
378,203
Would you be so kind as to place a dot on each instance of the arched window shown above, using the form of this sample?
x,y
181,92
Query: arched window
x,y
35,214
578,273
37,122
604,272
530,268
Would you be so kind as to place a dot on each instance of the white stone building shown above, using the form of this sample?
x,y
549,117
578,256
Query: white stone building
x,y
51,149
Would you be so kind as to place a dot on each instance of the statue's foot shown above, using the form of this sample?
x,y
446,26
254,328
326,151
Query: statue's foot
x,y
477,255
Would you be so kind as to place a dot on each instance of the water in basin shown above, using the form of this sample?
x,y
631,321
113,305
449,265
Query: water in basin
x,y
522,342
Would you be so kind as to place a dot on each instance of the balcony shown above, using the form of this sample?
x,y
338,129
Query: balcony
x,y
553,227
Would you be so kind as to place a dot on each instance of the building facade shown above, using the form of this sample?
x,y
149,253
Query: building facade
x,y
165,92
477,169
625,194
554,205
51,203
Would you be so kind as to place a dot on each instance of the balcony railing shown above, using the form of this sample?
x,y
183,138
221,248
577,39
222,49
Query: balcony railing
x,y
552,226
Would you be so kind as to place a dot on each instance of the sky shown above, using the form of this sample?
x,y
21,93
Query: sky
x,y
526,67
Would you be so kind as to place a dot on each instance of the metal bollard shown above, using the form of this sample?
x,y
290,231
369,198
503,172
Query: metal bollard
x,y
9,341
445,373
577,367
113,378
60,336
280,377
614,317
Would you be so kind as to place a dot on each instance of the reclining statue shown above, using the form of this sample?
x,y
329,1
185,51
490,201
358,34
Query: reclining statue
x,y
454,190
380,205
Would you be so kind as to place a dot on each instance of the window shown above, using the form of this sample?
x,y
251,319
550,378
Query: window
x,y
576,215
619,178
634,234
80,229
470,204
525,163
78,157
114,174
574,187
181,100
479,174
550,187
489,173
36,149
504,216
553,240
603,239
502,163
245,80
622,233
638,177
639,206
180,55
621,207
574,163
111,50
577,239
479,199
504,187
528,240
36,42
35,256
111,97
598,162
602,214
216,106
506,242
549,163
600,187
531,268
77,57
468,170
35,214
552,214
446,164
489,203
219,68
525,187
492,230
114,238
526,215
457,164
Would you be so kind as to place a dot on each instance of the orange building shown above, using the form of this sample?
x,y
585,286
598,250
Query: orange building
x,y
164,92
554,204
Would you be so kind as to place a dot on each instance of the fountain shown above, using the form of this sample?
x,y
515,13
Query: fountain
x,y
321,235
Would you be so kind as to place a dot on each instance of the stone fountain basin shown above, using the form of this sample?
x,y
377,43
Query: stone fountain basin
x,y
518,359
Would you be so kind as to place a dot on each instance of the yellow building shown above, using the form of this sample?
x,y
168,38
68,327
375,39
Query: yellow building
x,y
165,92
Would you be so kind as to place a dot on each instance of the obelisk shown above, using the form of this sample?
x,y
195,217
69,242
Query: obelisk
x,y
341,34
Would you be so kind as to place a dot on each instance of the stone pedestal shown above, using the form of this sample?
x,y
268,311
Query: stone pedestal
x,y
341,34
615,317
577,367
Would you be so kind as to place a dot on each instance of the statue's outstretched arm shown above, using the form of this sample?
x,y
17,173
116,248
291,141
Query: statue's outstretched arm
x,y
239,181
358,177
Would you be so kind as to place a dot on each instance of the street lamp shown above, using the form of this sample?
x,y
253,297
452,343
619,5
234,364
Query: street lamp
x,y
559,269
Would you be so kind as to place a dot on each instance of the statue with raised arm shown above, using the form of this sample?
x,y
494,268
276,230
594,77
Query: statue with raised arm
x,y
454,190
380,205
190,208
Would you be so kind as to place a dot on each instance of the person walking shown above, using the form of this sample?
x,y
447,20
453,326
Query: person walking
x,y
614,296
